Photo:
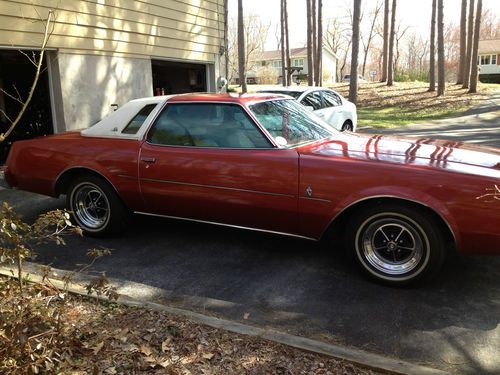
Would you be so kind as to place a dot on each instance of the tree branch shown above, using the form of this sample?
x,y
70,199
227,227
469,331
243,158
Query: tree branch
x,y
35,81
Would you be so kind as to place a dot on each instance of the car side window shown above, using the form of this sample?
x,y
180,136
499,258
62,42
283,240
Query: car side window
x,y
331,99
206,125
312,99
135,124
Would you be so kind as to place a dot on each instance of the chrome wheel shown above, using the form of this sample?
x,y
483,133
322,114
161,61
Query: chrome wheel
x,y
393,246
90,206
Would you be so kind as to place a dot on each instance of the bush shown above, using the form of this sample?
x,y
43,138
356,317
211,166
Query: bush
x,y
33,337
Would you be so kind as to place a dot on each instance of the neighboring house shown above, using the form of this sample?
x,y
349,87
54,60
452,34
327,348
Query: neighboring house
x,y
102,53
268,69
489,60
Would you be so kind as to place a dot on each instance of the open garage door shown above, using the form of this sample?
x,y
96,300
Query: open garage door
x,y
171,77
16,77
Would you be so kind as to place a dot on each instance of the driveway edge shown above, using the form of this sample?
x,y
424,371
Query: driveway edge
x,y
359,357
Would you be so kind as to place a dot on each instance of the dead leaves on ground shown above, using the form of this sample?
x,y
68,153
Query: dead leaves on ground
x,y
138,341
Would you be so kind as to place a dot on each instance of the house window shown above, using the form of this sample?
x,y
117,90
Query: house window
x,y
493,59
485,60
277,63
298,62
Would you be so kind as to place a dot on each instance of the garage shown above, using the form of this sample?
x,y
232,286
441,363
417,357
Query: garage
x,y
171,77
17,73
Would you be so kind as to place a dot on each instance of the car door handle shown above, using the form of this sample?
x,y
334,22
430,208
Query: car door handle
x,y
148,160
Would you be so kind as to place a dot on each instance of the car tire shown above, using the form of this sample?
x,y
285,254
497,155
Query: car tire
x,y
95,206
347,126
396,244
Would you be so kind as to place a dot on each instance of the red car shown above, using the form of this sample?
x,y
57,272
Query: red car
x,y
264,162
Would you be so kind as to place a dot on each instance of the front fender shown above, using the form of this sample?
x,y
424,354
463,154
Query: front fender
x,y
406,194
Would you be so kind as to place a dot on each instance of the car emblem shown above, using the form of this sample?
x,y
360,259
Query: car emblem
x,y
309,191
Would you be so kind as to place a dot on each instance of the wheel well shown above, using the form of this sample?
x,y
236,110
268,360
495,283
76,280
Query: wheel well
x,y
64,181
338,226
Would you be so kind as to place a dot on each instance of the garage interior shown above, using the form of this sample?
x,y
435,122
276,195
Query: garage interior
x,y
17,73
170,77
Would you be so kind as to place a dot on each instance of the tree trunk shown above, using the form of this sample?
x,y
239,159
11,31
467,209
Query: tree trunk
x,y
440,45
226,43
241,49
470,34
319,54
310,69
463,41
386,42
390,62
283,63
287,47
432,62
475,48
314,40
353,81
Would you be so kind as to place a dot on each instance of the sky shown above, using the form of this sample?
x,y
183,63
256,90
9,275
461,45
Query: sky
x,y
413,13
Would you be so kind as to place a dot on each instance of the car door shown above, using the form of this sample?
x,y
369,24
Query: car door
x,y
211,162
332,110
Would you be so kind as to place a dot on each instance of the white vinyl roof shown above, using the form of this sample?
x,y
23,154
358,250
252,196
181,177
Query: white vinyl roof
x,y
113,125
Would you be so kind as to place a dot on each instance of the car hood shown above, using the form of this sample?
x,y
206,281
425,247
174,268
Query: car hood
x,y
425,152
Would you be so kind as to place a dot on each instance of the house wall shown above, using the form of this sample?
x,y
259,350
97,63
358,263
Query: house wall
x,y
490,68
329,68
104,48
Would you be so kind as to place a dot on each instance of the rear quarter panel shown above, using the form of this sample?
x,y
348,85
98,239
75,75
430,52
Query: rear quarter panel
x,y
35,165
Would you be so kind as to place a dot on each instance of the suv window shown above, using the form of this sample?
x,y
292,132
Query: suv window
x,y
331,99
312,100
206,125
135,124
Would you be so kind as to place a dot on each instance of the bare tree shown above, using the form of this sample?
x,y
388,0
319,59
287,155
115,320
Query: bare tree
x,y
226,43
37,63
241,49
463,43
319,54
440,45
337,37
385,48
283,61
287,46
400,33
432,62
344,59
470,34
371,34
353,81
314,38
256,32
475,48
490,25
390,63
310,67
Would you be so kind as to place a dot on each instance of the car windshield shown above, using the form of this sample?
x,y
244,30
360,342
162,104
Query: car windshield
x,y
293,94
290,123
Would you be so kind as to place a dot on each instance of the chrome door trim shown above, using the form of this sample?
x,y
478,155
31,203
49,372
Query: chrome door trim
x,y
215,187
227,225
